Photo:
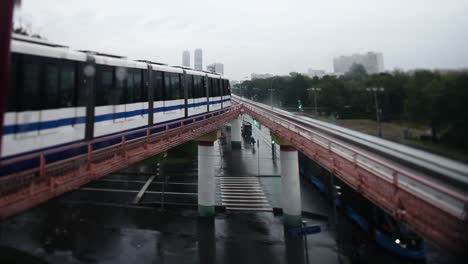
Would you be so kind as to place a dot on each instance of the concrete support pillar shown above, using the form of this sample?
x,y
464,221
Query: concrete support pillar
x,y
206,174
236,132
290,184
291,190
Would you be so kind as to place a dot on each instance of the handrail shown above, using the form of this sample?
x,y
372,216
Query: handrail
x,y
276,118
452,170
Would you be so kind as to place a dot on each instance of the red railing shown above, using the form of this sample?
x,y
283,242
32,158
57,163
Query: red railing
x,y
25,189
435,210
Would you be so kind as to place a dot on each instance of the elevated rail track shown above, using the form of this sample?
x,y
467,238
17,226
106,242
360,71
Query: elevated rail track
x,y
425,191
25,189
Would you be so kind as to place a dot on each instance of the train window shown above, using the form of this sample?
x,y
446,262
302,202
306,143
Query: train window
x,y
210,87
225,87
144,85
189,85
175,86
167,86
215,88
67,85
221,87
119,93
51,89
138,82
158,85
203,87
12,103
106,83
82,92
31,84
197,89
131,87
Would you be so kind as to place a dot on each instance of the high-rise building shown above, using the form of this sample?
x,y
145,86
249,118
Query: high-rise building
x,y
316,73
198,59
216,67
254,76
372,62
186,58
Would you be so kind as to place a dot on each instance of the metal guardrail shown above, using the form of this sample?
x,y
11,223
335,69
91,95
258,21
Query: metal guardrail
x,y
445,196
425,191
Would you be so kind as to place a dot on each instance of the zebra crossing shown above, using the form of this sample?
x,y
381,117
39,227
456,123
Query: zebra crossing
x,y
242,194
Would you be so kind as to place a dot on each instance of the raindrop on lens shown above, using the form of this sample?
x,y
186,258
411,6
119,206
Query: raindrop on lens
x,y
89,70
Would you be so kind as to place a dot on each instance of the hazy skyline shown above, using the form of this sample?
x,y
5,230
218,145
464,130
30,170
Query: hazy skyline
x,y
275,37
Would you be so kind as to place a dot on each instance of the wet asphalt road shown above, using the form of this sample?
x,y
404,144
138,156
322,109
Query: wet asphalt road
x,y
101,223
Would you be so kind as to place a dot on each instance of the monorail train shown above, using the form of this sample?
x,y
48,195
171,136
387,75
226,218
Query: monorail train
x,y
388,233
57,96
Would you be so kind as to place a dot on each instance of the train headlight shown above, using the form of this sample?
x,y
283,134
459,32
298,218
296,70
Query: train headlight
x,y
397,241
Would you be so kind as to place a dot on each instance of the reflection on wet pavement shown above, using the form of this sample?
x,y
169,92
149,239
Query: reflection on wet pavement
x,y
99,223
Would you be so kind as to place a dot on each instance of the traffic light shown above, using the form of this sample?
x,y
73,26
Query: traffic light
x,y
273,142
299,105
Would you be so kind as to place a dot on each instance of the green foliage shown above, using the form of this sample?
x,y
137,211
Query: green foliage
x,y
356,72
438,101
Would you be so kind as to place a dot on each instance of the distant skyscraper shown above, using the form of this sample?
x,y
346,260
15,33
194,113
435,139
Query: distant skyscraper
x,y
186,58
198,59
216,67
372,62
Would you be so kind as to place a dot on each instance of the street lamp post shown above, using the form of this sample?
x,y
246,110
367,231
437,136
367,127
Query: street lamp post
x,y
378,111
315,91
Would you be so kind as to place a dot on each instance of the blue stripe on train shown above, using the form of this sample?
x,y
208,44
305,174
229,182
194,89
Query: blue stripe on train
x,y
23,128
34,162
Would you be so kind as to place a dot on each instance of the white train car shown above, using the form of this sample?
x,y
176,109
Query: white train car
x,y
197,101
168,102
214,92
57,97
43,105
120,103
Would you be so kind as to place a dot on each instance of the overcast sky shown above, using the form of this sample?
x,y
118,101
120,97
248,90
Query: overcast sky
x,y
261,36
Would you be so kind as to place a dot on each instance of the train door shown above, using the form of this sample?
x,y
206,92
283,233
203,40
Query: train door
x,y
185,87
148,80
158,96
117,99
220,91
206,88
30,103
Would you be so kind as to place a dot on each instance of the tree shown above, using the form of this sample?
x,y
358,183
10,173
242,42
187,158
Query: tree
x,y
357,72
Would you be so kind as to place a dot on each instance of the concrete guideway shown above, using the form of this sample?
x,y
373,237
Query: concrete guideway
x,y
23,190
436,211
